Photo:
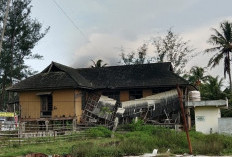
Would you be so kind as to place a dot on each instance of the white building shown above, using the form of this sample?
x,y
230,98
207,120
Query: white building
x,y
207,114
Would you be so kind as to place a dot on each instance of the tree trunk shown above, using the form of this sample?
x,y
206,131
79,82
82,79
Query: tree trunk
x,y
2,105
230,81
229,73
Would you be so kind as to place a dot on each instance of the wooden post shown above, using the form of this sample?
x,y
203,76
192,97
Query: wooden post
x,y
180,95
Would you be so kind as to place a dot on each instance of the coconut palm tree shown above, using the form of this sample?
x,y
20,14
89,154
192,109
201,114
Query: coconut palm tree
x,y
222,41
98,64
197,76
211,90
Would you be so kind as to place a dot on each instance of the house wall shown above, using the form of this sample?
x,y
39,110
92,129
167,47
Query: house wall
x,y
78,104
124,95
206,119
147,92
30,105
63,103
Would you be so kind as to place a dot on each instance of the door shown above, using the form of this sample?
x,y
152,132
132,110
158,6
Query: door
x,y
46,106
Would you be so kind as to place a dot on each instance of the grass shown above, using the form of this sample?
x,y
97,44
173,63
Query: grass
x,y
137,140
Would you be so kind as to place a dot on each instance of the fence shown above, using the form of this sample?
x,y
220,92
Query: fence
x,y
32,134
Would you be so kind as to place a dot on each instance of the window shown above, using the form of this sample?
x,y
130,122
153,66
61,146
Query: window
x,y
46,105
135,94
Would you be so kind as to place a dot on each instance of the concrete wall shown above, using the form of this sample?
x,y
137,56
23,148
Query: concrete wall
x,y
206,119
225,125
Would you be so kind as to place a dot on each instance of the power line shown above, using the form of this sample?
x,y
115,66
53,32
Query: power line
x,y
74,24
70,19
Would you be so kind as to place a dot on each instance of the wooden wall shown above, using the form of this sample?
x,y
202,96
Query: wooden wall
x,y
63,103
124,94
66,103
78,104
30,105
147,92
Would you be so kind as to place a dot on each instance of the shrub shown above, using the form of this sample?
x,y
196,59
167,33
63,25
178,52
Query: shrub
x,y
99,132
90,149
136,126
211,144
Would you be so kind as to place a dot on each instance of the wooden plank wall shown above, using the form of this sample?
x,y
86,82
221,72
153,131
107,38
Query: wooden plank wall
x,y
63,103
30,105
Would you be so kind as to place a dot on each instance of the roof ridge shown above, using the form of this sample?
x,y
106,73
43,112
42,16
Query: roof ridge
x,y
79,79
124,65
84,81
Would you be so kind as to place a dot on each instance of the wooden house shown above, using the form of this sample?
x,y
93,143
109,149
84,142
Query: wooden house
x,y
60,92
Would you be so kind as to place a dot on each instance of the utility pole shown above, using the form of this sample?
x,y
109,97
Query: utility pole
x,y
4,24
180,95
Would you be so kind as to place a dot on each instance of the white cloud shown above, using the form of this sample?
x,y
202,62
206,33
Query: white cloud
x,y
106,47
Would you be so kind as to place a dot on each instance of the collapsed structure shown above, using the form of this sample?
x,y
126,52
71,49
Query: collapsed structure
x,y
98,95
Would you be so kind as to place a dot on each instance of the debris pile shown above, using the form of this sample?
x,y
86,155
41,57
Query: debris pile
x,y
158,108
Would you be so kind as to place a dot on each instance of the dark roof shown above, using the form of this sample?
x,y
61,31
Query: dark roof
x,y
52,80
58,76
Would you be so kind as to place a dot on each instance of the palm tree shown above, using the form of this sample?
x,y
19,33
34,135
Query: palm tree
x,y
222,42
197,75
98,64
211,90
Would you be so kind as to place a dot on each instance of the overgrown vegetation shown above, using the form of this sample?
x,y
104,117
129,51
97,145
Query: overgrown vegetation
x,y
134,139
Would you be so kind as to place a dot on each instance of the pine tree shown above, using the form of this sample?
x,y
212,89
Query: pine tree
x,y
21,35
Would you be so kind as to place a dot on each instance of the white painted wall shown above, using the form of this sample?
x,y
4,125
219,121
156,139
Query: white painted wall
x,y
225,125
207,118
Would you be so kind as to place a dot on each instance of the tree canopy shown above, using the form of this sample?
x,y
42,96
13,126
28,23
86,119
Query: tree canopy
x,y
168,48
222,47
21,35
98,64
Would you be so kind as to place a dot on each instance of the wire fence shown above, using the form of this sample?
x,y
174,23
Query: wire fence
x,y
12,136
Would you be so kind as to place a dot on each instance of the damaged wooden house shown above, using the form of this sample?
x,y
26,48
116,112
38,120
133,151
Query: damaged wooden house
x,y
98,95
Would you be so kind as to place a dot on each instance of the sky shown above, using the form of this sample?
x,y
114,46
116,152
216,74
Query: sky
x,y
98,29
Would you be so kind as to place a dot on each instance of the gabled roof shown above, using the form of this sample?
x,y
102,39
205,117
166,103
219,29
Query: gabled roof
x,y
58,76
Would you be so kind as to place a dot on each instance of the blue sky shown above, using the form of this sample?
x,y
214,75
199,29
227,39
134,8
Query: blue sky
x,y
108,25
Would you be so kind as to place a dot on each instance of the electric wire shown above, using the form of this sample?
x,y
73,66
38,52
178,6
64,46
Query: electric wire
x,y
75,25
70,19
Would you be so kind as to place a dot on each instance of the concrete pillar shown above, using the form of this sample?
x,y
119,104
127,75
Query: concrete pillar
x,y
74,124
23,127
115,127
136,119
46,124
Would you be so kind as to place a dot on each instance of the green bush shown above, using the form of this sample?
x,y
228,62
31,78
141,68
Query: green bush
x,y
90,149
99,132
136,126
